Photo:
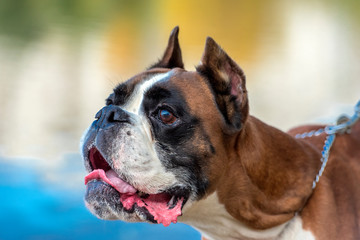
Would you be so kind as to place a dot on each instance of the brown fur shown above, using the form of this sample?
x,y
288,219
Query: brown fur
x,y
333,211
262,175
269,180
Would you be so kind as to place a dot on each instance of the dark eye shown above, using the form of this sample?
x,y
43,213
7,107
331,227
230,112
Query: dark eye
x,y
166,116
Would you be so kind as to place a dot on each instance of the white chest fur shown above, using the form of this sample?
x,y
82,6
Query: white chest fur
x,y
214,222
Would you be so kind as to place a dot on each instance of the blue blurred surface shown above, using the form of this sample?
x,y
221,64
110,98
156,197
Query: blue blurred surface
x,y
34,209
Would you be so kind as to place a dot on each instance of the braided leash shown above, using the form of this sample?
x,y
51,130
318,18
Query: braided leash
x,y
343,125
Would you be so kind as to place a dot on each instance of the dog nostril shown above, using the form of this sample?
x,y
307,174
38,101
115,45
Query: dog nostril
x,y
111,117
118,116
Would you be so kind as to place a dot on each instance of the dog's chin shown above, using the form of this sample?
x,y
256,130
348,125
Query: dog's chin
x,y
104,202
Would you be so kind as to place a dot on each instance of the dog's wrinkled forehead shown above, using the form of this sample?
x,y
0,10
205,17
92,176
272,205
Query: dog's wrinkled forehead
x,y
130,95
134,102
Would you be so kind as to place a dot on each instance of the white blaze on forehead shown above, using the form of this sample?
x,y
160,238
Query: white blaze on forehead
x,y
134,103
147,173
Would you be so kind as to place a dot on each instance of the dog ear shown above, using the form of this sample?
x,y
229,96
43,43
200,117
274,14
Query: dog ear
x,y
172,57
228,83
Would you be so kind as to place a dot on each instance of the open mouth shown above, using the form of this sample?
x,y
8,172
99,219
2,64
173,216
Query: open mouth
x,y
164,207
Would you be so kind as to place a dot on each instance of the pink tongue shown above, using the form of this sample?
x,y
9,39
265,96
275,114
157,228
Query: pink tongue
x,y
156,204
160,209
111,178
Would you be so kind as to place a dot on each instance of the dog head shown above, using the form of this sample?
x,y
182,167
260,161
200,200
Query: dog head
x,y
160,142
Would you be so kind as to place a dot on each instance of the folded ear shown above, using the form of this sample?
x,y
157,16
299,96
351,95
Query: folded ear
x,y
228,83
172,57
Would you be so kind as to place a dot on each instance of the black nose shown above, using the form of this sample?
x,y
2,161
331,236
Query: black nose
x,y
110,115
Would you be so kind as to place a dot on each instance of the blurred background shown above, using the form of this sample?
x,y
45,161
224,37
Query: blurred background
x,y
60,59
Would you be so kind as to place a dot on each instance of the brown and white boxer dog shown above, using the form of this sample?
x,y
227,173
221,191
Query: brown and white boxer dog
x,y
174,145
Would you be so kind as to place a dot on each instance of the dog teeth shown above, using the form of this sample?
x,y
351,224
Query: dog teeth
x,y
172,203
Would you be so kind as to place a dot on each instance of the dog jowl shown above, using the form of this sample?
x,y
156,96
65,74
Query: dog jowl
x,y
175,145
149,149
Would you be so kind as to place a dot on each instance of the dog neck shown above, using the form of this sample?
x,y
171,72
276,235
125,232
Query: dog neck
x,y
211,218
267,181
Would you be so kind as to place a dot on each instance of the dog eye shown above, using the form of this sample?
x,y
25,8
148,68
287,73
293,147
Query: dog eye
x,y
166,117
